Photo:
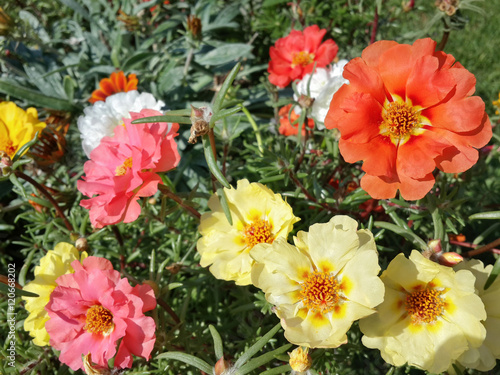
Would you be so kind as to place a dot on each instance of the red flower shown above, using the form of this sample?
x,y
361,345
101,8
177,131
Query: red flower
x,y
294,56
407,110
286,128
115,83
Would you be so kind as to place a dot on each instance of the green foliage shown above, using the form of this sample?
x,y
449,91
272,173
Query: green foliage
x,y
53,57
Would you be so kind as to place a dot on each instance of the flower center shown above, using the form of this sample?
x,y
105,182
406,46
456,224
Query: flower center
x,y
424,306
302,58
99,320
122,169
320,292
400,119
8,147
256,232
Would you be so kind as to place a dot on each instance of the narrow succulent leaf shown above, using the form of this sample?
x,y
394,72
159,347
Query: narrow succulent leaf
x,y
187,359
493,275
263,359
285,369
223,113
257,346
491,215
36,97
164,118
5,289
218,348
15,181
24,147
219,98
225,206
212,164
406,233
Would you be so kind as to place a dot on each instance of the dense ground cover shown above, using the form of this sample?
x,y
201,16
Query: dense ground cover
x,y
210,62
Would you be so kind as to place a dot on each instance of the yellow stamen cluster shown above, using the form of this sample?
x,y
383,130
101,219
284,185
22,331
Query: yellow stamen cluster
x,y
319,292
122,169
302,58
99,320
259,231
424,306
400,119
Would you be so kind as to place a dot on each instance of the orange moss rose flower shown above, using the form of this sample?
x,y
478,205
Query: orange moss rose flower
x,y
114,84
407,110
294,56
286,122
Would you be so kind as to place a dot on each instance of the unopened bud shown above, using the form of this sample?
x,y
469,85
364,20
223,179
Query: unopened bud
x,y
194,26
305,101
435,246
300,360
450,259
81,244
93,369
221,367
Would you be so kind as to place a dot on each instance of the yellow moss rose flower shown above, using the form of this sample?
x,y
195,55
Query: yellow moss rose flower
x,y
55,263
323,284
484,357
17,127
429,317
258,216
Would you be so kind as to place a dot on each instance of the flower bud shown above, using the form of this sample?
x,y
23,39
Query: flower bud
x,y
450,259
300,360
435,246
194,26
221,366
81,244
305,101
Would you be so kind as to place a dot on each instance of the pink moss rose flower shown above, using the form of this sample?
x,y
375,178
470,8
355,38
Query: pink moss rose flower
x,y
92,309
125,167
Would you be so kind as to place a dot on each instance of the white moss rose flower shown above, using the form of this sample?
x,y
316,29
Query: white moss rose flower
x,y
100,119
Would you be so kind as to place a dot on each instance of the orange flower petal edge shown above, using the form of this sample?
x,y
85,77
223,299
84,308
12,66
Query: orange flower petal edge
x,y
114,84
287,118
407,110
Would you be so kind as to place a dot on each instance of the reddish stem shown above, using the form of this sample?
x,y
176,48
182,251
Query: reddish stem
x,y
374,26
47,195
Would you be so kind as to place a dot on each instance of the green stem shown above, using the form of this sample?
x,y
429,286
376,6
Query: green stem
x,y
255,129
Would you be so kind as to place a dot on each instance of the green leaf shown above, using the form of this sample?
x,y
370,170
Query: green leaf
x,y
491,215
263,359
271,3
406,233
212,164
187,359
164,118
224,54
69,87
285,369
23,149
137,59
170,79
13,178
5,289
77,8
225,205
223,113
257,346
218,349
36,97
219,98
493,275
